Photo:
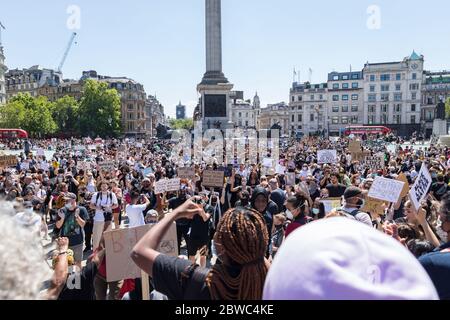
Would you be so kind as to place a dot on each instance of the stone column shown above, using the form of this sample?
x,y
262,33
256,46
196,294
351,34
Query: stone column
x,y
213,36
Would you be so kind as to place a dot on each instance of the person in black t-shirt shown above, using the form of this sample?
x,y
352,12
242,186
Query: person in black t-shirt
x,y
439,188
183,225
241,239
335,189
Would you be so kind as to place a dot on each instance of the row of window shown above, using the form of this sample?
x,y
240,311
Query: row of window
x,y
372,97
396,119
345,109
389,77
354,76
345,97
336,86
246,115
312,98
344,120
397,108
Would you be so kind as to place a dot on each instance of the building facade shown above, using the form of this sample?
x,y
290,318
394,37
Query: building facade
x,y
393,94
155,114
180,111
3,70
435,89
307,108
345,101
245,113
30,80
275,114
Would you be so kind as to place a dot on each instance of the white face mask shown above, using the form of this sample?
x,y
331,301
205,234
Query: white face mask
x,y
289,214
315,211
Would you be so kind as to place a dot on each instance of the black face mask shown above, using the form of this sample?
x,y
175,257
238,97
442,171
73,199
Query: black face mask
x,y
360,203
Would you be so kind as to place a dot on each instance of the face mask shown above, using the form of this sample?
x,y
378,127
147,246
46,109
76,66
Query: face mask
x,y
289,214
68,206
315,211
361,203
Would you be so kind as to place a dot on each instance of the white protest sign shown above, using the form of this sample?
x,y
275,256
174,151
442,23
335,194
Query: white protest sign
x,y
326,156
119,244
160,186
421,186
280,169
173,184
267,162
138,145
186,173
330,204
40,152
24,166
386,189
374,162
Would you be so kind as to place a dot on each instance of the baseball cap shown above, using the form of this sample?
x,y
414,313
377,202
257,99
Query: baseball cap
x,y
70,196
351,192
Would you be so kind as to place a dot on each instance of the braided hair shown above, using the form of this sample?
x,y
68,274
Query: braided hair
x,y
241,239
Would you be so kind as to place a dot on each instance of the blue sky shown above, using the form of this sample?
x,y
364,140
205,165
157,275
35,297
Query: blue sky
x,y
160,43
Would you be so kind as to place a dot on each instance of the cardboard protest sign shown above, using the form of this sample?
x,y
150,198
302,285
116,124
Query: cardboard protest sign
x,y
421,186
386,189
374,206
374,162
405,191
173,184
360,156
119,244
290,178
186,173
354,146
8,161
326,156
160,186
213,178
330,204
106,165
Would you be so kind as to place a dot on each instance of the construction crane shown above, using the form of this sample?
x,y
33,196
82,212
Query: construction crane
x,y
66,53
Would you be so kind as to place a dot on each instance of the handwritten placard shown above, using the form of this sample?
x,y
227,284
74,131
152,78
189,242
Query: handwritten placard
x,y
421,186
386,189
326,156
186,173
8,161
106,165
213,178
119,244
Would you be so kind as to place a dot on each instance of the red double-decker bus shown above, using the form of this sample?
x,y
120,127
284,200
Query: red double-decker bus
x,y
360,130
6,134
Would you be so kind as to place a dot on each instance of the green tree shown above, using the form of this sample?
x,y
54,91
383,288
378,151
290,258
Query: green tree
x,y
99,110
30,114
177,124
65,114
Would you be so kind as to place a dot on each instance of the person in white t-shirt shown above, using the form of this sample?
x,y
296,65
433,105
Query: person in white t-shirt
x,y
103,203
135,212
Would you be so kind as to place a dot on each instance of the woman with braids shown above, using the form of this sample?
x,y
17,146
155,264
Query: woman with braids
x,y
241,239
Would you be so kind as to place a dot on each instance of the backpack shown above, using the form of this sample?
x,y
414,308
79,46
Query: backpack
x,y
109,195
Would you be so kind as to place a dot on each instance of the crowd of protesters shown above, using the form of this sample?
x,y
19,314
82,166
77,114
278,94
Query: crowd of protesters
x,y
259,236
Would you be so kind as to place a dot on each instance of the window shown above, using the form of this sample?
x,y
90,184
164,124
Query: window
x,y
335,120
398,97
344,120
384,107
293,108
385,97
335,98
293,99
311,117
299,118
345,97
246,123
345,86
335,109
344,108
414,86
413,95
240,114
321,97
246,114
398,87
335,78
397,119
130,116
354,119
355,76
299,98
384,87
354,108
299,127
371,108
300,108
372,88
335,86
312,97
430,115
385,77
398,76
384,118
355,85
372,97
397,107
372,78
414,77
130,107
345,77
371,119
293,118
355,97
413,108
413,119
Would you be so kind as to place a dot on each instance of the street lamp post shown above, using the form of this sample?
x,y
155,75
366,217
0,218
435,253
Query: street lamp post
x,y
110,122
